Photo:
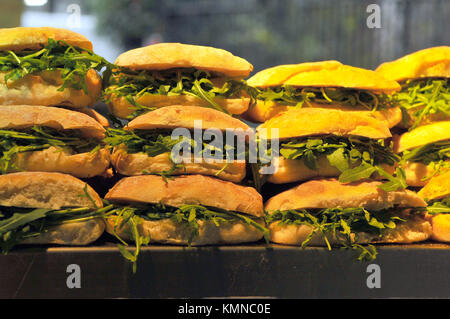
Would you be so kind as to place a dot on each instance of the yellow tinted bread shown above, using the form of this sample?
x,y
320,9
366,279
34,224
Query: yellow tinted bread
x,y
163,56
121,108
423,135
438,187
292,170
329,193
140,163
304,122
441,228
42,88
323,74
16,117
46,190
189,189
21,38
418,174
167,231
175,116
431,62
263,111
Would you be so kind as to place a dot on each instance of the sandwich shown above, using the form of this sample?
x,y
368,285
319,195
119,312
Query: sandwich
x,y
186,210
48,208
148,144
48,66
178,74
50,139
437,195
328,213
321,142
425,152
424,78
325,84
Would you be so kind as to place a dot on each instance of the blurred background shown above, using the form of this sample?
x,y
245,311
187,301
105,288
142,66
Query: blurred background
x,y
265,32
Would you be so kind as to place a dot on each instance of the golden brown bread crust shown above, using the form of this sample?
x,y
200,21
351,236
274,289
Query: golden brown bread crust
x,y
320,121
189,189
121,108
136,164
438,187
423,135
441,228
431,62
21,38
176,116
16,117
415,229
74,234
418,174
163,56
323,74
45,190
329,193
82,165
290,170
263,111
167,231
42,89
95,115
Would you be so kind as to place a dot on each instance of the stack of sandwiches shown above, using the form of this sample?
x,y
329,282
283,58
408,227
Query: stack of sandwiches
x,y
350,147
51,138
334,136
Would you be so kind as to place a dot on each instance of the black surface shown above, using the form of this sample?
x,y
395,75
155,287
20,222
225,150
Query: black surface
x,y
413,271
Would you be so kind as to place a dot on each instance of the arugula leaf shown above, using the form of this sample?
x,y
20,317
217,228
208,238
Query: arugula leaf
x,y
189,215
341,152
17,224
343,224
439,207
132,85
73,63
289,95
423,97
39,138
437,155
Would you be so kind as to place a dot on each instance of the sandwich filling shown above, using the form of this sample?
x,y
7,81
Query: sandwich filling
x,y
131,85
441,206
344,226
73,64
304,96
159,141
18,224
355,157
187,215
422,97
38,138
435,155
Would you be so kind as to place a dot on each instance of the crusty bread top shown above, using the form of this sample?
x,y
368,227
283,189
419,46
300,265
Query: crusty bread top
x,y
32,38
25,116
45,190
329,193
436,188
423,135
174,116
323,74
188,189
431,62
301,122
164,56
